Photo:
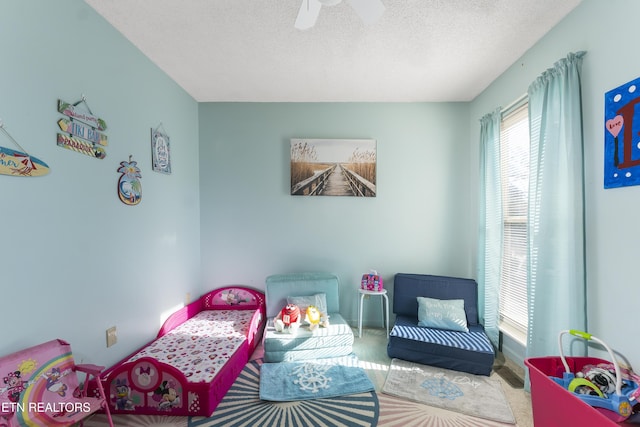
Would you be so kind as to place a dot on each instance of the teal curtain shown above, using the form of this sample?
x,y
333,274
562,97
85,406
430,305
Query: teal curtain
x,y
490,225
556,269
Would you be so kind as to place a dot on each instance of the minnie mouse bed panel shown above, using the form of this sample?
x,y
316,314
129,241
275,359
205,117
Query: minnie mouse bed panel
x,y
199,352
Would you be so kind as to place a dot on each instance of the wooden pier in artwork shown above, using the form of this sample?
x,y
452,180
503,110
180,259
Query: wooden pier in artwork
x,y
336,180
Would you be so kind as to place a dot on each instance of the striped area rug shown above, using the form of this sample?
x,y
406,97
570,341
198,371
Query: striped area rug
x,y
242,407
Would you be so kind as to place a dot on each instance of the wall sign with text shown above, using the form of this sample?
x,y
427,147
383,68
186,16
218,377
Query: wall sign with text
x,y
81,130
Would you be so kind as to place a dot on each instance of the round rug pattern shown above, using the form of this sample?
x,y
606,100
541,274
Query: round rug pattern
x,y
242,406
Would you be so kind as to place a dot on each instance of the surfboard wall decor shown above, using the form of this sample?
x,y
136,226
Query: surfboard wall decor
x,y
19,163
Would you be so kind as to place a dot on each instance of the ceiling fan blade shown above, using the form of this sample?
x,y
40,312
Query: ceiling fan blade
x,y
308,14
368,10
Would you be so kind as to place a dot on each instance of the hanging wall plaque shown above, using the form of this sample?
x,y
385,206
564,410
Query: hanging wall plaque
x,y
82,130
129,186
19,163
160,151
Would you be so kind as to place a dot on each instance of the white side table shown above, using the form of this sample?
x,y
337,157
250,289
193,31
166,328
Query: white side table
x,y
385,304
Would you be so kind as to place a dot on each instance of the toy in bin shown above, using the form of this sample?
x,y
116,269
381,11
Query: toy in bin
x,y
605,386
372,282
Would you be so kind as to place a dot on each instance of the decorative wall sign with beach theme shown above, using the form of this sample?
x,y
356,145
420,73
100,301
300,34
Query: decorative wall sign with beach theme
x,y
19,163
622,136
333,167
82,131
160,150
129,186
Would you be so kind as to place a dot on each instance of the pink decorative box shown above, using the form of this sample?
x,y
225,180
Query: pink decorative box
x,y
372,282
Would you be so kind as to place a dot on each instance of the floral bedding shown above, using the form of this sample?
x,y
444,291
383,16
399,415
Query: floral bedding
x,y
201,346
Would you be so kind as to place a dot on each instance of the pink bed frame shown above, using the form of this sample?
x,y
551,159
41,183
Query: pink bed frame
x,y
196,398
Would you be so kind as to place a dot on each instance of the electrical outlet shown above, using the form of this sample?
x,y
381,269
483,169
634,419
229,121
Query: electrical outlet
x,y
112,336
187,298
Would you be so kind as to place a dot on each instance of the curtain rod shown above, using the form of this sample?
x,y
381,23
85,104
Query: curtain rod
x,y
519,100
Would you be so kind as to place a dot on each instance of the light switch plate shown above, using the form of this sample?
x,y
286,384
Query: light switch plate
x,y
112,336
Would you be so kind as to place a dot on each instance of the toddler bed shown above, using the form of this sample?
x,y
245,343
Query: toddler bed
x,y
195,358
462,350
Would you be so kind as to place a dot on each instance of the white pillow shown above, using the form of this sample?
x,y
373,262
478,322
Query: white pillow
x,y
317,300
442,314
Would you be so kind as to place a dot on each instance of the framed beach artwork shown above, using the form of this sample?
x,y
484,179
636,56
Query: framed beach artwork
x,y
333,167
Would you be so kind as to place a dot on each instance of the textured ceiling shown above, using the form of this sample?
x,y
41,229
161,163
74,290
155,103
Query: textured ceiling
x,y
249,50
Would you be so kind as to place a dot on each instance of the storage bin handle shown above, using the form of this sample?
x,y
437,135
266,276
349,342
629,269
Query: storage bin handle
x,y
587,336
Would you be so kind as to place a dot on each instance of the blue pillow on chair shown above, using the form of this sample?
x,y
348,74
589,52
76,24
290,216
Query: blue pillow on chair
x,y
442,314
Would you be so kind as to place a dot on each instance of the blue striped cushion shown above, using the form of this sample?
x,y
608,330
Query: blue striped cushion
x,y
474,340
336,340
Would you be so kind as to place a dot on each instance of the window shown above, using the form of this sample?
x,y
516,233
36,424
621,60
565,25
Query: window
x,y
514,166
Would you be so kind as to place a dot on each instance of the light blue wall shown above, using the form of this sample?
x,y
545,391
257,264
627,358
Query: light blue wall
x,y
74,259
252,227
608,32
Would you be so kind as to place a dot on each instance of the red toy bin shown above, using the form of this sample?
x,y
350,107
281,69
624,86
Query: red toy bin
x,y
553,405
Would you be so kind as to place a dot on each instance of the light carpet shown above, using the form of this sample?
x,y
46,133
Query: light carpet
x,y
469,394
313,379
